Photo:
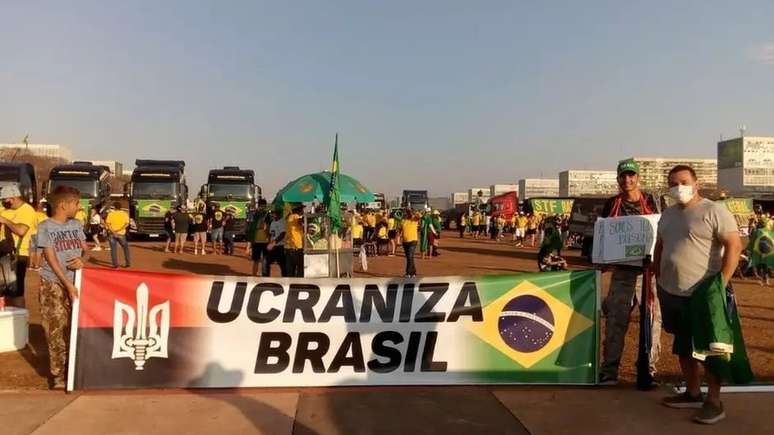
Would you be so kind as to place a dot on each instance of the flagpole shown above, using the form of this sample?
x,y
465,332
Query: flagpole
x,y
338,269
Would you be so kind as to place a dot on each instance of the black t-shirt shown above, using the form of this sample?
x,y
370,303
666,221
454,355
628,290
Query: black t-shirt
x,y
217,218
168,216
629,208
182,221
199,222
229,222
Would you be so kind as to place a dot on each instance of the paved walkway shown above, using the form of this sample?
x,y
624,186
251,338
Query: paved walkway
x,y
383,410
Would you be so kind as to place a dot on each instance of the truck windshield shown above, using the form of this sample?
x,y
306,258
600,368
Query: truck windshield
x,y
9,174
238,191
143,189
88,188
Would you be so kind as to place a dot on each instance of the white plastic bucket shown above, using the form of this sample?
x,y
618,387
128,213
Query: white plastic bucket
x,y
14,328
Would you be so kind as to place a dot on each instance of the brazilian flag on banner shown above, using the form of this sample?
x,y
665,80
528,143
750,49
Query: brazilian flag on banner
x,y
762,248
539,329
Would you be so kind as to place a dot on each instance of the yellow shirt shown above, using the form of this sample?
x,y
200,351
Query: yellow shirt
x,y
370,220
464,220
294,232
40,218
117,219
80,216
522,222
410,230
476,219
390,224
382,234
23,215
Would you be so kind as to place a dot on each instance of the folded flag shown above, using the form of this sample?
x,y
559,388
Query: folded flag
x,y
717,331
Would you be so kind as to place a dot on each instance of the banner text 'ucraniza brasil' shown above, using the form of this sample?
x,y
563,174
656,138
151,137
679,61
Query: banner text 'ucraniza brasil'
x,y
141,329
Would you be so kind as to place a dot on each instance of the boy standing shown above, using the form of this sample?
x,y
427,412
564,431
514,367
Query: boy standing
x,y
63,243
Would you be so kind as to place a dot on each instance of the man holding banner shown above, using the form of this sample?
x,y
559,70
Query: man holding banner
x,y
625,281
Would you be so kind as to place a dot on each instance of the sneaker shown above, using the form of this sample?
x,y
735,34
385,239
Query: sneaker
x,y
683,401
709,414
607,381
58,384
96,248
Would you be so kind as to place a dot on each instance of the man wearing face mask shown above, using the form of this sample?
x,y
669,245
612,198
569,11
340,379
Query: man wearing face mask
x,y
697,239
20,217
626,281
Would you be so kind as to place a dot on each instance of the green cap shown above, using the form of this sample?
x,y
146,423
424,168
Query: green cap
x,y
628,166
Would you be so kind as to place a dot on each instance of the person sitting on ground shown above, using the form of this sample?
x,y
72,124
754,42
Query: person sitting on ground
x,y
547,261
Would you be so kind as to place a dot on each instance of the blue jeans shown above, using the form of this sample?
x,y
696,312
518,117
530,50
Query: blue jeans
x,y
409,248
118,240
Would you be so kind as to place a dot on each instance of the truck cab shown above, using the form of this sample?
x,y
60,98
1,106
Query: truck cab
x,y
415,199
92,181
156,187
23,175
231,189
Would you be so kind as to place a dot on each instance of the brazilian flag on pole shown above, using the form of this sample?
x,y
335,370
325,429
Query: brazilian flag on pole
x,y
334,196
762,248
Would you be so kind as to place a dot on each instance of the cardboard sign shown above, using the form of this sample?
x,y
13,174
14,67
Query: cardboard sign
x,y
625,239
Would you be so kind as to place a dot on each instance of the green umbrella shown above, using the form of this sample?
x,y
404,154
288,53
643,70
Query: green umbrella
x,y
317,187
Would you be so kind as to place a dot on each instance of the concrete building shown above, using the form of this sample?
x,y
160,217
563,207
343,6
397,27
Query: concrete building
x,y
655,170
474,191
577,182
116,167
459,198
40,150
746,166
537,187
499,189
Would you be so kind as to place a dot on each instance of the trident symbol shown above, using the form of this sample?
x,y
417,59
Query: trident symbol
x,y
144,341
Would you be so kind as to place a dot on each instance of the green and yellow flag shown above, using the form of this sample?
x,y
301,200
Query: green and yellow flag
x,y
541,329
334,195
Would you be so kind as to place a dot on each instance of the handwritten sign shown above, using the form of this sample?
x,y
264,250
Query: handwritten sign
x,y
625,239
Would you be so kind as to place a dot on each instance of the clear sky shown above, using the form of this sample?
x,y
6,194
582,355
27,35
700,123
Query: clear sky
x,y
442,95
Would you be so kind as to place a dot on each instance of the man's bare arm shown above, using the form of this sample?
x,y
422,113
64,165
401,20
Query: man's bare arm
x,y
732,248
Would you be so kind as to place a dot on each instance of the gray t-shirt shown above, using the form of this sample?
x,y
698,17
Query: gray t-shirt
x,y
691,245
66,240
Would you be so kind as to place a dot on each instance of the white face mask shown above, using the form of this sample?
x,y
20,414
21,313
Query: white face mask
x,y
681,193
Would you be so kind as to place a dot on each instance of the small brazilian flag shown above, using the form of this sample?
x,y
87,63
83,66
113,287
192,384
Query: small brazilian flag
x,y
334,195
762,248
542,329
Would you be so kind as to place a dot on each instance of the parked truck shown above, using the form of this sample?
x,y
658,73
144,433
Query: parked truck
x,y
414,199
23,176
156,187
232,189
92,181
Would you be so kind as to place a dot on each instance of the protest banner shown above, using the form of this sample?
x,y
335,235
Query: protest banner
x,y
551,206
145,330
624,239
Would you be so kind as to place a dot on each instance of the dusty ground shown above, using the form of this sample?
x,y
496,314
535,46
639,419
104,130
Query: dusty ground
x,y
26,370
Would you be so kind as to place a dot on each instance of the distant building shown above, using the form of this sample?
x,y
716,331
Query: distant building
x,y
439,203
538,187
40,150
746,166
459,198
116,167
577,182
473,194
655,170
499,189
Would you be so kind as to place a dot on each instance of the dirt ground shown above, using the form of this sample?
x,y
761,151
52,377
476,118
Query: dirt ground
x,y
26,370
